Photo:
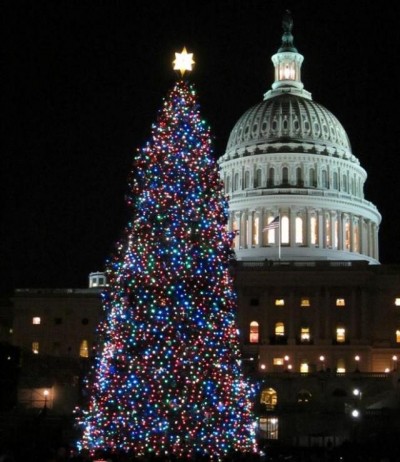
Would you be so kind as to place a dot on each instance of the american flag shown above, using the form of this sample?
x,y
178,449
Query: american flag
x,y
273,225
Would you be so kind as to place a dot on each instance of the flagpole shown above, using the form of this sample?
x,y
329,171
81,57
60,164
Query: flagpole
x,y
279,239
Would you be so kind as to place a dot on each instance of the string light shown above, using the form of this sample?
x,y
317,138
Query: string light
x,y
167,376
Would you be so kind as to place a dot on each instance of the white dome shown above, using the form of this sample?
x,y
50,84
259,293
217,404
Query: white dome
x,y
289,157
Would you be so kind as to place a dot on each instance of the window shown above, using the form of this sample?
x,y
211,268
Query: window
x,y
247,179
314,230
304,367
299,230
305,302
57,321
285,175
284,230
340,302
280,329
258,178
398,336
269,425
340,334
254,332
84,349
397,301
340,366
277,361
35,348
305,334
36,320
279,302
269,398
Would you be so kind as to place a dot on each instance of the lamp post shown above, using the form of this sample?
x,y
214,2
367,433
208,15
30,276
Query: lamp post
x,y
322,359
357,359
394,359
46,394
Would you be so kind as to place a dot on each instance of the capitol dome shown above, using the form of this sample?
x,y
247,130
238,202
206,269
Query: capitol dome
x,y
296,191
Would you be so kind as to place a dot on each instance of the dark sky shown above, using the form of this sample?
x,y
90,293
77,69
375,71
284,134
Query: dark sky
x,y
82,82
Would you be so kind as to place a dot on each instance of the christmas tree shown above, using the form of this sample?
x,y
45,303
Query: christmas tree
x,y
167,378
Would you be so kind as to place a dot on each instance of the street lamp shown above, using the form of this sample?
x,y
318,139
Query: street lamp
x,y
46,394
322,359
357,359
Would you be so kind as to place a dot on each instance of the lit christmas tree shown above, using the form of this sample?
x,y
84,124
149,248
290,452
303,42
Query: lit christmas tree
x,y
167,378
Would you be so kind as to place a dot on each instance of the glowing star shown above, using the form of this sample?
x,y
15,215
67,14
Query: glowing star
x,y
183,61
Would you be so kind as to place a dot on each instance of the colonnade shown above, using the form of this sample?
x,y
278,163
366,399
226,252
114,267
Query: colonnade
x,y
306,227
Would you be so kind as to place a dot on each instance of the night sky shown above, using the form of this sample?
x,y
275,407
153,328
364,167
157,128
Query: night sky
x,y
82,82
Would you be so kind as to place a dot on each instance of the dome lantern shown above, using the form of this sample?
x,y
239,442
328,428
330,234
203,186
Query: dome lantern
x,y
287,62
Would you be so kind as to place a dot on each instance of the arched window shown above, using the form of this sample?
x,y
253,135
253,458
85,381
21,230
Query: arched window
x,y
344,182
254,332
314,230
271,232
299,177
398,336
335,180
84,349
236,182
269,397
312,179
246,179
347,234
235,229
284,230
285,176
271,177
258,178
279,329
299,230
328,230
356,237
227,184
324,179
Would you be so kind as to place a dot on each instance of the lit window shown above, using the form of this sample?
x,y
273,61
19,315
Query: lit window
x,y
397,301
36,320
269,398
304,368
314,231
254,332
340,366
284,230
397,336
340,302
269,425
340,334
278,361
279,302
305,301
305,334
35,348
279,329
299,230
84,349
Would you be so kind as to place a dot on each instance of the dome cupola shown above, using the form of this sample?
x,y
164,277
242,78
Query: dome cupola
x,y
290,157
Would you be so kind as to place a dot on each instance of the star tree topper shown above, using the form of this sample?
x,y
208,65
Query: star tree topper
x,y
183,61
